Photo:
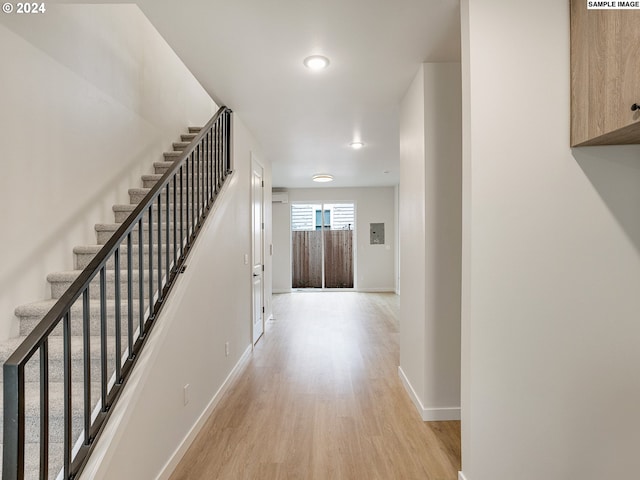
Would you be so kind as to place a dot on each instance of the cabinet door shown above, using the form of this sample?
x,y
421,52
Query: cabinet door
x,y
605,75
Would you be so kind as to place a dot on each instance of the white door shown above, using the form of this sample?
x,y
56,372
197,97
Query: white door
x,y
257,227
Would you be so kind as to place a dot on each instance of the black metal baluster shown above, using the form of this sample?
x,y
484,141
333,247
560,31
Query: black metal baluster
x,y
141,278
186,181
194,220
167,222
207,150
211,163
201,179
219,147
175,222
86,362
66,356
103,337
181,214
130,293
197,185
220,154
227,142
116,263
222,143
160,246
44,410
14,421
150,264
216,147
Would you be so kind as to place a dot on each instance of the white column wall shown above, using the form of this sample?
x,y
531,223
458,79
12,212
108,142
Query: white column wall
x,y
552,264
430,238
412,233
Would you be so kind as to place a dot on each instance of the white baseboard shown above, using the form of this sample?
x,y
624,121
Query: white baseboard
x,y
172,463
428,414
376,290
281,290
461,476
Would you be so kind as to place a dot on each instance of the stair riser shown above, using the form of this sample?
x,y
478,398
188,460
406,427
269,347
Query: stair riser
x,y
151,182
28,323
162,167
137,197
83,259
202,158
59,287
120,216
103,236
56,372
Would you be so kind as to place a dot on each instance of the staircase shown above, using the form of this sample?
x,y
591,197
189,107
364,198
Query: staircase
x,y
107,322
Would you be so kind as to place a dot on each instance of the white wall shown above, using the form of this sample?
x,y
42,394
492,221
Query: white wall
x,y
91,96
430,240
375,269
552,264
210,305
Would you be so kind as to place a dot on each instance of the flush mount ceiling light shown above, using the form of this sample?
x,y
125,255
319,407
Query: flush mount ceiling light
x,y
316,62
322,178
356,145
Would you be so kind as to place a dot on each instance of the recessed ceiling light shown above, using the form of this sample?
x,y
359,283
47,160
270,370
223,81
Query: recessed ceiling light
x,y
316,62
356,145
322,178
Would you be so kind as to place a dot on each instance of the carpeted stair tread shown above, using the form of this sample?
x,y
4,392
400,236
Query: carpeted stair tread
x,y
71,275
56,348
163,164
104,231
122,212
32,313
172,156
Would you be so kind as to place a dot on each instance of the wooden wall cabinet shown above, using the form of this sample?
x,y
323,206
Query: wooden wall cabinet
x,y
605,76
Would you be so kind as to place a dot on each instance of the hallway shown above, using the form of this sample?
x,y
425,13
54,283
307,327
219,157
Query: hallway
x,y
320,398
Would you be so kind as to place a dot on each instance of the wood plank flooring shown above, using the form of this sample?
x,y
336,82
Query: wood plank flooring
x,y
321,399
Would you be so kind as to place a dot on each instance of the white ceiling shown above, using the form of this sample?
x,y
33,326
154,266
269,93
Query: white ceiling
x,y
248,55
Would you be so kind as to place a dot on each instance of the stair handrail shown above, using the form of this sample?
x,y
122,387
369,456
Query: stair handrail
x,y
215,135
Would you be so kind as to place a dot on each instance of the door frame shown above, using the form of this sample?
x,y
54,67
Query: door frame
x,y
256,164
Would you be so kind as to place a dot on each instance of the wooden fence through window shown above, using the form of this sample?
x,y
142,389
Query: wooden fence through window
x,y
307,259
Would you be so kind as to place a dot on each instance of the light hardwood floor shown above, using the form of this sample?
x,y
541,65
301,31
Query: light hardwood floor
x,y
321,399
